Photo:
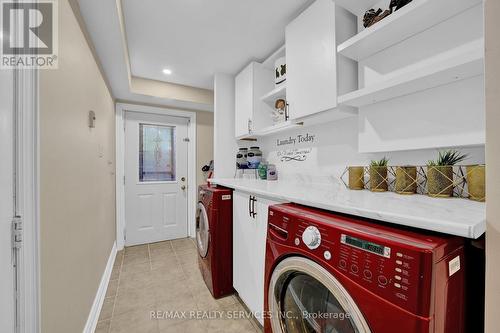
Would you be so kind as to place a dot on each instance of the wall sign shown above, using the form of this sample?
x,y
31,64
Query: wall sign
x,y
299,138
295,154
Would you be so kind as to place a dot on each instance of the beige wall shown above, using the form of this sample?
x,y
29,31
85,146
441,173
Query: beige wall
x,y
492,31
77,181
204,142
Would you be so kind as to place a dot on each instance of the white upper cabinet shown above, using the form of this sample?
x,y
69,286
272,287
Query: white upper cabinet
x,y
251,113
311,57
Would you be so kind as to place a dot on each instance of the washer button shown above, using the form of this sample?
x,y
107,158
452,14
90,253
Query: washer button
x,y
382,280
297,241
354,268
342,263
397,285
397,277
399,254
327,255
399,270
367,274
399,262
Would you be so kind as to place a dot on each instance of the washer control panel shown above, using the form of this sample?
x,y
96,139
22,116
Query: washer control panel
x,y
311,237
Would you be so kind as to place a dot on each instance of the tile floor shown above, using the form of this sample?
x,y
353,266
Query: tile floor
x,y
164,278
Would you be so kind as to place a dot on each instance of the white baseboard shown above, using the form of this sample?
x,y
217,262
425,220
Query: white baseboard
x,y
95,311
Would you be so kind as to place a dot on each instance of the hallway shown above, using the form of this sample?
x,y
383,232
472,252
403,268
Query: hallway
x,y
163,277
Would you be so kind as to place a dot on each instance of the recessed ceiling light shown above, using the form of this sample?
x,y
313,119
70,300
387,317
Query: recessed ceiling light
x,y
167,71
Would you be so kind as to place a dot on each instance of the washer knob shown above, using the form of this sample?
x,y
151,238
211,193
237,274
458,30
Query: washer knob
x,y
311,237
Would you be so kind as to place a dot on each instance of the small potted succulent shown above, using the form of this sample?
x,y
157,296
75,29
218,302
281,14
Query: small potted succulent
x,y
356,177
378,175
476,182
406,180
440,173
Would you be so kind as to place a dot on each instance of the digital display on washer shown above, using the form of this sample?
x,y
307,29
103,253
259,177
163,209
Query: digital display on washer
x,y
380,250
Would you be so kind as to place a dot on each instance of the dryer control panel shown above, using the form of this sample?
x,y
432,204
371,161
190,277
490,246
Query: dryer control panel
x,y
398,265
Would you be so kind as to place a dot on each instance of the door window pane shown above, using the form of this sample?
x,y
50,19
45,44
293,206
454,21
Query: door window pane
x,y
156,153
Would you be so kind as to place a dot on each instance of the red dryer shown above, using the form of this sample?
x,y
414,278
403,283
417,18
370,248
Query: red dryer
x,y
214,230
332,273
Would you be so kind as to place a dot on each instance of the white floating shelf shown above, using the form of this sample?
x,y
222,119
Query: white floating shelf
x,y
276,128
412,19
441,70
278,92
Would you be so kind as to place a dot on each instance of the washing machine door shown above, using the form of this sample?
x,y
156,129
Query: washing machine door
x,y
305,298
202,230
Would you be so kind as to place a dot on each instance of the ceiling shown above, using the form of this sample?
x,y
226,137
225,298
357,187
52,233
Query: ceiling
x,y
193,38
197,38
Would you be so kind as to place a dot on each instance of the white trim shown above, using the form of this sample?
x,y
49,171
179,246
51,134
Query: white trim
x,y
121,108
26,86
95,311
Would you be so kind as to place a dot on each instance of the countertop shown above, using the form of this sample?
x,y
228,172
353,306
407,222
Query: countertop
x,y
460,217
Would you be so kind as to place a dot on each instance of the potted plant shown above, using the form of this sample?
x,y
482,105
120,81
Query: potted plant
x,y
440,173
378,175
406,180
476,183
356,177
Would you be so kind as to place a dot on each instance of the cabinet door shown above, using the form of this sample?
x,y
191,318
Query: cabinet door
x,y
243,101
311,60
241,219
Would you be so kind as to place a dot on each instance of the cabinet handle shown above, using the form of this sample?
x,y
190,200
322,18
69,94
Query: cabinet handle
x,y
253,207
250,206
249,125
287,112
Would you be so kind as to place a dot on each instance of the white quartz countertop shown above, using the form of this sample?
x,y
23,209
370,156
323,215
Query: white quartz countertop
x,y
460,217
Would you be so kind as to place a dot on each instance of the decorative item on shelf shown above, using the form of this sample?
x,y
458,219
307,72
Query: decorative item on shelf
x,y
279,112
280,70
476,182
262,170
254,157
440,174
464,184
356,177
241,158
378,175
406,180
272,173
398,4
372,16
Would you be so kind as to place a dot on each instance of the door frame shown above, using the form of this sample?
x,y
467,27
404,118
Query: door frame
x,y
27,194
121,108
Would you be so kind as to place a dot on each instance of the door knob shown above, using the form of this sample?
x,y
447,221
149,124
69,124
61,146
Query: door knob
x,y
183,187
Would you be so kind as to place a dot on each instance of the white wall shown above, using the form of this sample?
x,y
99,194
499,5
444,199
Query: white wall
x,y
334,147
225,147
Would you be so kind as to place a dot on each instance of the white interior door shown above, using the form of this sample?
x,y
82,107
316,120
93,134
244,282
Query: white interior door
x,y
7,304
156,167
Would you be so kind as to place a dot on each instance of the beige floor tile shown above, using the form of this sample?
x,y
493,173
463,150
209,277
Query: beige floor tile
x,y
136,321
161,245
161,253
176,311
168,274
187,326
135,259
171,292
107,309
134,269
164,262
137,280
133,299
102,326
112,287
136,250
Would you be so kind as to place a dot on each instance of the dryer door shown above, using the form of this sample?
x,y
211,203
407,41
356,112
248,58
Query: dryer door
x,y
202,230
304,297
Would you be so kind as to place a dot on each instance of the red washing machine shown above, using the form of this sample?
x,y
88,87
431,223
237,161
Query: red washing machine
x,y
332,273
214,238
